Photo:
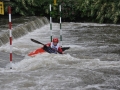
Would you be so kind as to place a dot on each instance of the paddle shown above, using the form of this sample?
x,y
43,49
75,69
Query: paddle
x,y
65,48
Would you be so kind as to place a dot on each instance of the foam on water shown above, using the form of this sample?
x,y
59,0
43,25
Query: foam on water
x,y
50,71
42,61
47,60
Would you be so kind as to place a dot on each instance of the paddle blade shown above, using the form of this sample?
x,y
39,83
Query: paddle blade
x,y
65,48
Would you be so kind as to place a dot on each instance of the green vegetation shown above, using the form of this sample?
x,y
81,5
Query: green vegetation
x,y
101,11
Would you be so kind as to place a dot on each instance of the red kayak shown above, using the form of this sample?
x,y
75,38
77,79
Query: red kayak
x,y
45,49
37,51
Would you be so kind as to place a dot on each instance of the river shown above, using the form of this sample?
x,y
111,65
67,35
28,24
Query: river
x,y
91,63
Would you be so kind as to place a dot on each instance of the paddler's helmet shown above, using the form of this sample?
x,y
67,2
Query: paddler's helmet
x,y
55,40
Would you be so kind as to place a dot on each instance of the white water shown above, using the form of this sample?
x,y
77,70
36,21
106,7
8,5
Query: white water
x,y
57,72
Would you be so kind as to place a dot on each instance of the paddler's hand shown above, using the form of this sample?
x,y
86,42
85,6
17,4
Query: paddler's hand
x,y
45,46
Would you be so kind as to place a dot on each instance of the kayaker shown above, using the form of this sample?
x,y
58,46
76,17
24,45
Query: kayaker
x,y
55,46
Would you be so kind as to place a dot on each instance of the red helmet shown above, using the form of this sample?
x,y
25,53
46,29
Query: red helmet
x,y
55,40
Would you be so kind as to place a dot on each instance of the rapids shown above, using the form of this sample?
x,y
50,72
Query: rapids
x,y
92,62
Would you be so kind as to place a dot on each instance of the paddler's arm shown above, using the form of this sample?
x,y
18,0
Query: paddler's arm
x,y
60,50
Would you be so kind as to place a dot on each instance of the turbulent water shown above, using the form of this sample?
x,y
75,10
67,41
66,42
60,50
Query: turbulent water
x,y
92,62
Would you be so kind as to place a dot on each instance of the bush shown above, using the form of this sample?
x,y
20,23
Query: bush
x,y
102,11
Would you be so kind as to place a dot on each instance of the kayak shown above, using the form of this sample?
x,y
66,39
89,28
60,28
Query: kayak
x,y
45,49
37,51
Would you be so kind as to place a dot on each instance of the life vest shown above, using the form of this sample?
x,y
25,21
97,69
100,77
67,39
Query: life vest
x,y
54,47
